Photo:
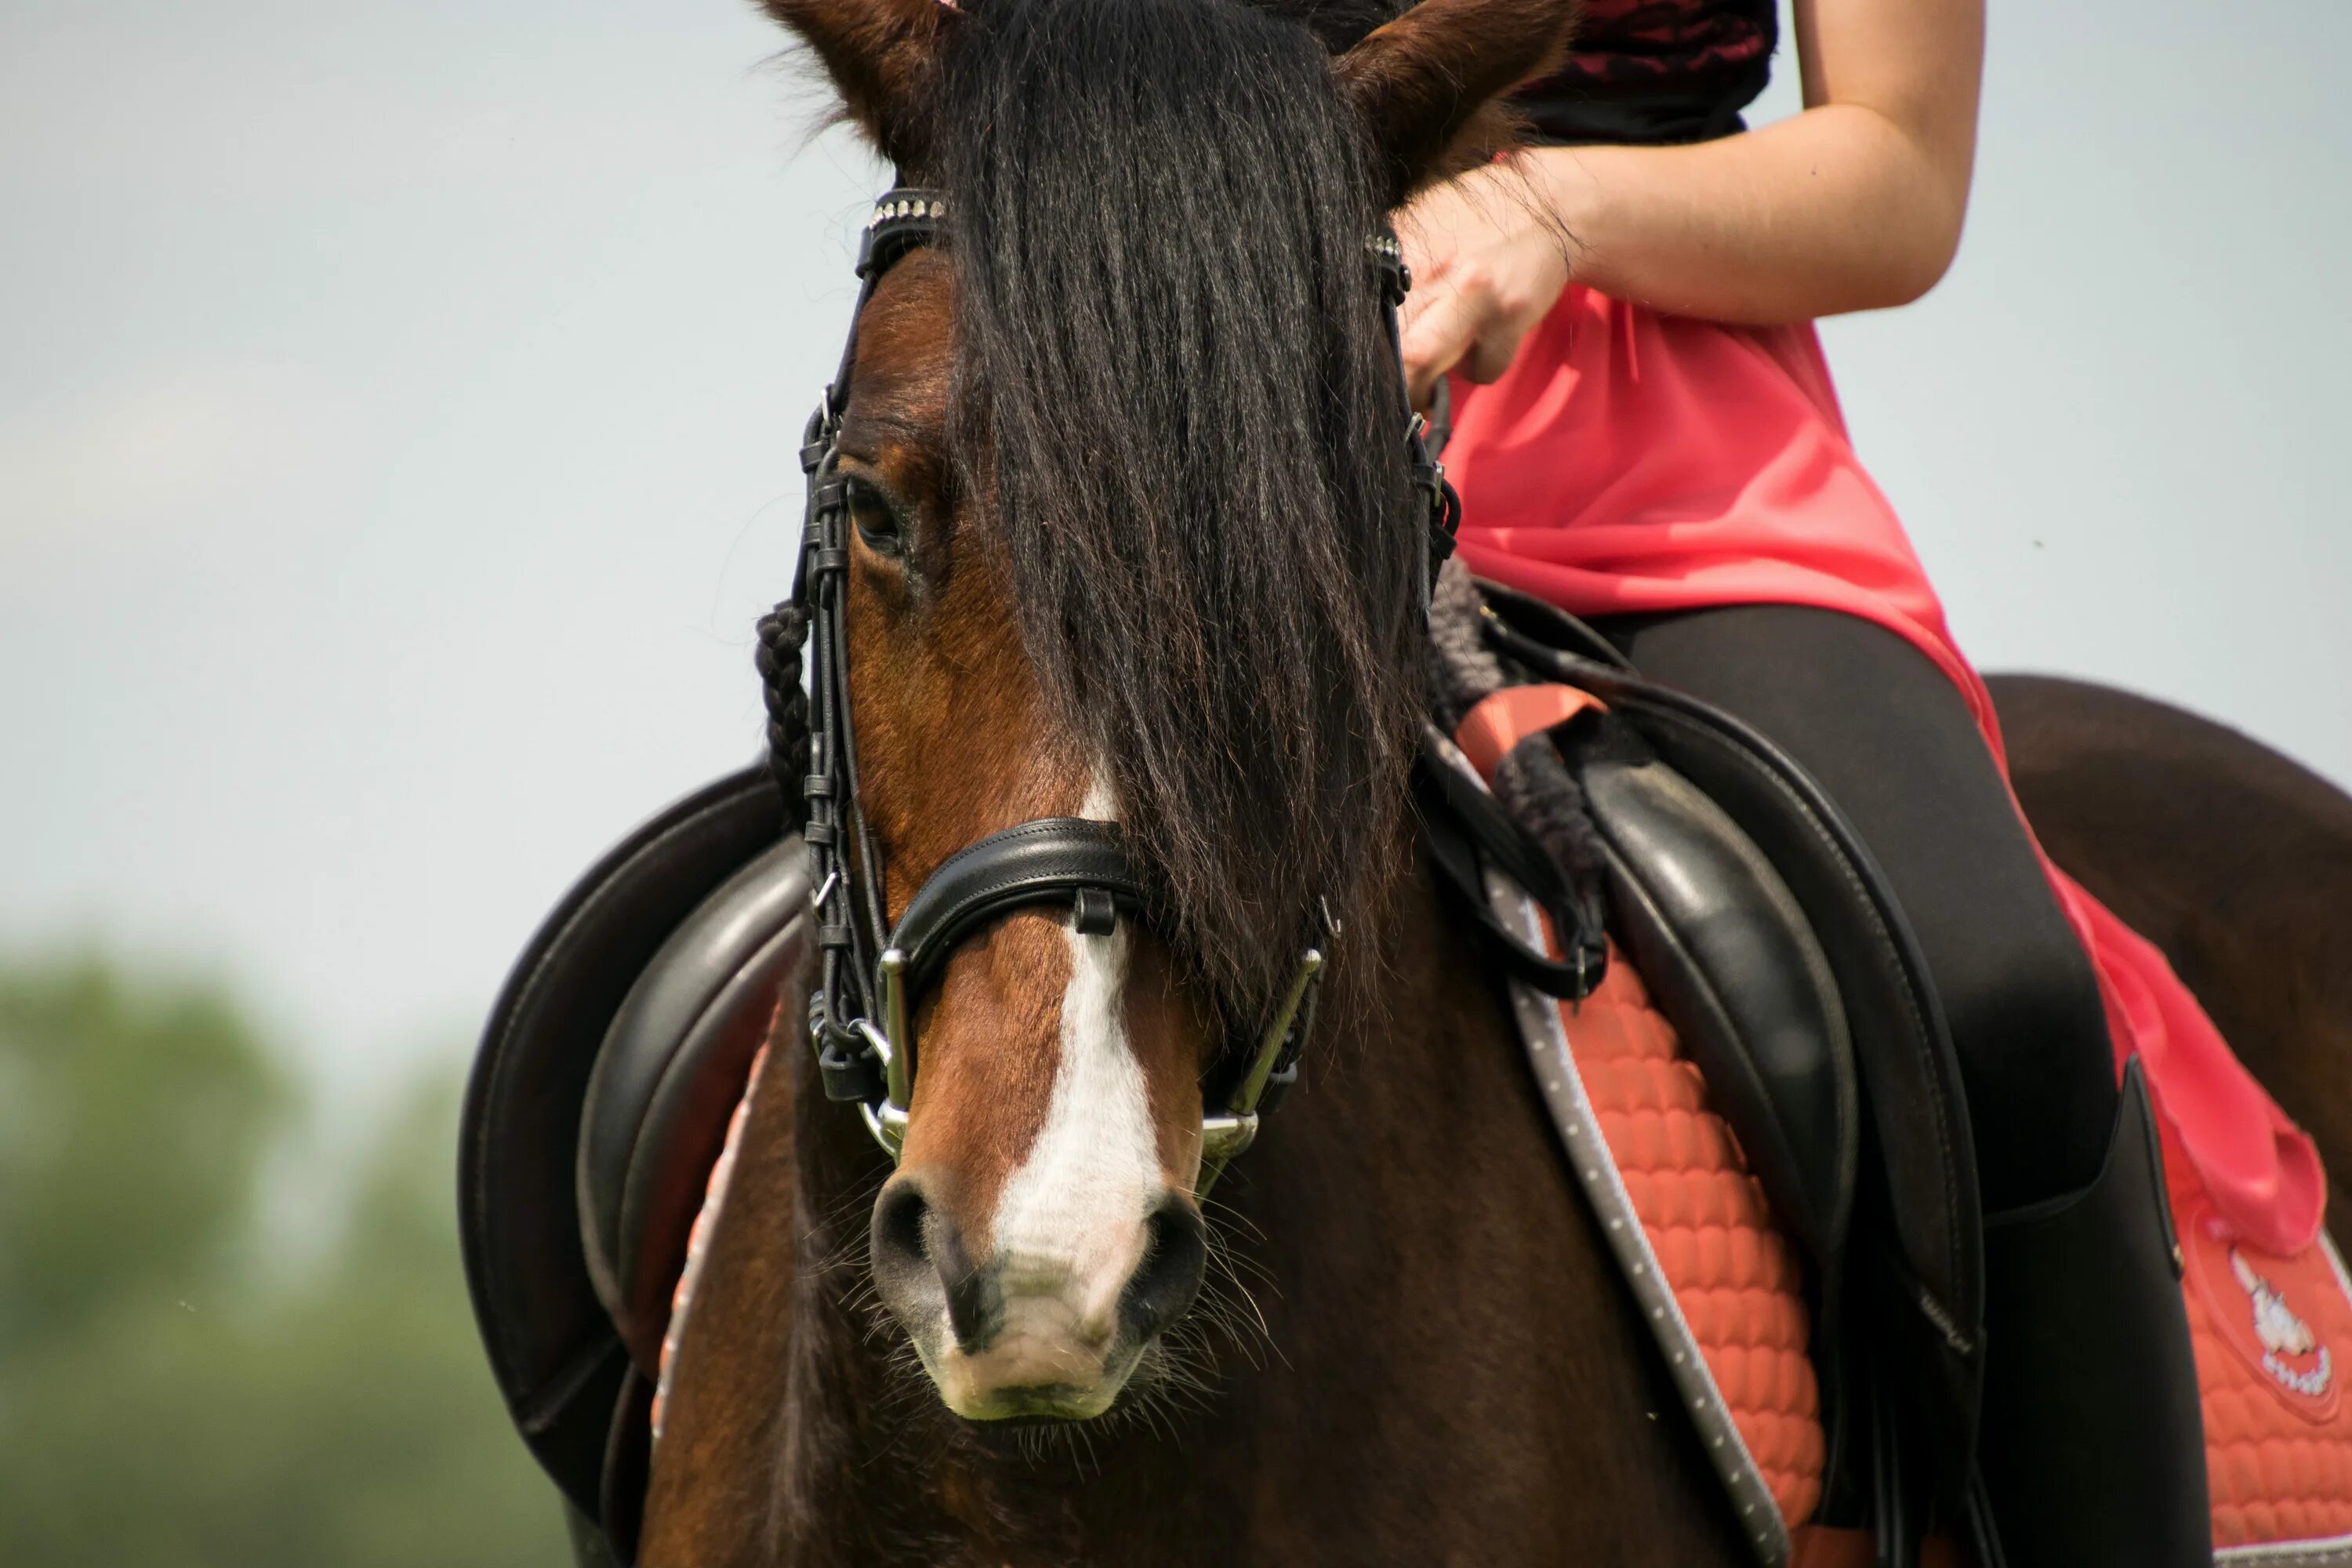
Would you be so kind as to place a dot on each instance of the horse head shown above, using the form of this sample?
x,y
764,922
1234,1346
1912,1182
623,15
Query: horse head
x,y
1131,539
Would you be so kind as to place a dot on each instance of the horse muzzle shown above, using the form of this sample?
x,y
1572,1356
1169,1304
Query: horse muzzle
x,y
1024,1331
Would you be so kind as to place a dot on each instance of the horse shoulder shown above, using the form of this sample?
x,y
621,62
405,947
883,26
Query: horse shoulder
x,y
711,1498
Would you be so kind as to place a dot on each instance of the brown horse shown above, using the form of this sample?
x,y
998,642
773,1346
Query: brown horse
x,y
1112,454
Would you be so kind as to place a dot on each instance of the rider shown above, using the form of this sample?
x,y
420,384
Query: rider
x,y
1652,442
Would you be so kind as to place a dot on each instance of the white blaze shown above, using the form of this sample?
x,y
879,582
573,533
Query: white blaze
x,y
1070,1223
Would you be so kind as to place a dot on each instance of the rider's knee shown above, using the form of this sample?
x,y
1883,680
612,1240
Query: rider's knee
x,y
2031,1032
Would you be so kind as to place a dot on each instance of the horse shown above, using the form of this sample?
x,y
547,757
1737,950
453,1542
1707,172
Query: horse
x,y
1110,458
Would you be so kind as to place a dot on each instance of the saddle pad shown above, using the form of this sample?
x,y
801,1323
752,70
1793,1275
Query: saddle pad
x,y
1718,1284
2271,1334
1734,1276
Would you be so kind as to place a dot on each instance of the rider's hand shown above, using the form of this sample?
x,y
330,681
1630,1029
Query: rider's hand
x,y
1489,259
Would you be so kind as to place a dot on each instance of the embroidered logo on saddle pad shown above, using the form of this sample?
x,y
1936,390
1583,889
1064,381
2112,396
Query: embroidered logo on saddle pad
x,y
2285,1336
2273,1313
2278,1434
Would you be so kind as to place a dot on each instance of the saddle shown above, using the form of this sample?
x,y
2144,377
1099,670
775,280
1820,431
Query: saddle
x,y
1765,934
623,1038
597,1106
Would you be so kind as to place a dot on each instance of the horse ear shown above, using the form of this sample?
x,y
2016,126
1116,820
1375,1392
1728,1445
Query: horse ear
x,y
1429,84
881,56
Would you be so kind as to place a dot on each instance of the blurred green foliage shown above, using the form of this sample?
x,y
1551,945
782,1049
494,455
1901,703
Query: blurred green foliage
x,y
170,1399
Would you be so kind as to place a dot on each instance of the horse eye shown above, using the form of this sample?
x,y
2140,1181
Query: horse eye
x,y
875,519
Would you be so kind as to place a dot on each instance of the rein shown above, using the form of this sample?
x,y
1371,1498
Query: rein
x,y
874,973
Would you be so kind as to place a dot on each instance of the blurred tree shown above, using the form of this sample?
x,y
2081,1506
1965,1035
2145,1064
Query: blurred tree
x,y
160,1408
132,1124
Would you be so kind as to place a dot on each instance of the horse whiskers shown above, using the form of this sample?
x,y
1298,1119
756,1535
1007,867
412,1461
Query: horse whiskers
x,y
1223,1216
1234,1266
1230,1268
845,1217
1226,1299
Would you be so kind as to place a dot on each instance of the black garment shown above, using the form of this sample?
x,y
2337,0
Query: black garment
x,y
1891,738
1654,71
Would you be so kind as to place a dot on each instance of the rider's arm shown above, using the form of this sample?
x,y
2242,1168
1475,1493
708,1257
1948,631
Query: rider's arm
x,y
1852,204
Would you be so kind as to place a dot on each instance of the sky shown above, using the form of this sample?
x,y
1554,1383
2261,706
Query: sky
x,y
398,406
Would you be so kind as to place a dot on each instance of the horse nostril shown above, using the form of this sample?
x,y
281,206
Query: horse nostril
x,y
897,1238
1169,1278
919,1257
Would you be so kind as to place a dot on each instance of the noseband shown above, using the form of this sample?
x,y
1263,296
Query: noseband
x,y
874,973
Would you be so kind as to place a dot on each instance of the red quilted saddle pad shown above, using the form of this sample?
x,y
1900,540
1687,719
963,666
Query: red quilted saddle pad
x,y
1734,1275
2271,1334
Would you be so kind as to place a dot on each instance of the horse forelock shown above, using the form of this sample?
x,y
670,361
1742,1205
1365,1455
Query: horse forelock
x,y
1173,391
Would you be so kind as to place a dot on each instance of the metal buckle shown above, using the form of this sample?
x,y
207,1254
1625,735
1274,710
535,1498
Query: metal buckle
x,y
887,1119
888,1125
890,971
1226,1136
816,436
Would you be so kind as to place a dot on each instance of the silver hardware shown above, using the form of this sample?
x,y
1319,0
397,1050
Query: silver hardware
x,y
887,1120
1269,1050
1223,1138
890,969
904,207
832,880
876,1042
888,1125
1226,1136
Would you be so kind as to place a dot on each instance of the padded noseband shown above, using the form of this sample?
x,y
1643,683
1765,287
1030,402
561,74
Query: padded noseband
x,y
1055,860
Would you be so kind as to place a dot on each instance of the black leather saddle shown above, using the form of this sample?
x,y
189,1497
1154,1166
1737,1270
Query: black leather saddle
x,y
1767,935
597,1106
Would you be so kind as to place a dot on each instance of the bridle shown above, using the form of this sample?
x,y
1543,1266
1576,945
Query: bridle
x,y
874,973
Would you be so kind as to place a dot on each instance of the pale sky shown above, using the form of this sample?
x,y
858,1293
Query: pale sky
x,y
398,406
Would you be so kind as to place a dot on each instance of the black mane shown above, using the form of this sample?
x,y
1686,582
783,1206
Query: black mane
x,y
1174,388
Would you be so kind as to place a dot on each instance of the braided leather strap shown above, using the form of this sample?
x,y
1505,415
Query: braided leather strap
x,y
783,633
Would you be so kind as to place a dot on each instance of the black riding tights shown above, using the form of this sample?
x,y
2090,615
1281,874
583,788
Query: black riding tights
x,y
1879,725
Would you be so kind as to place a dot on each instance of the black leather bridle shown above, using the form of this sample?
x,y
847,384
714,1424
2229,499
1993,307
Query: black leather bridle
x,y
874,973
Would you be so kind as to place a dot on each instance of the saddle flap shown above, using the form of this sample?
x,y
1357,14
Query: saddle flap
x,y
1729,957
1924,1270
672,1065
552,1345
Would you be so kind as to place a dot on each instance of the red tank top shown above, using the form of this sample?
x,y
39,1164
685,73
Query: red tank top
x,y
1656,72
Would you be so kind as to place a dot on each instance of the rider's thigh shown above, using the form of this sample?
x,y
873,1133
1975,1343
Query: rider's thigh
x,y
1880,726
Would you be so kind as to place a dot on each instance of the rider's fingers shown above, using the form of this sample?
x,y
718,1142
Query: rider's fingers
x,y
1436,341
1490,354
